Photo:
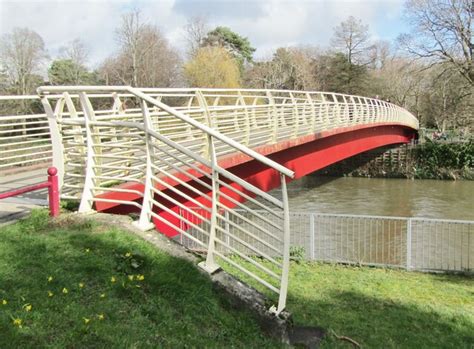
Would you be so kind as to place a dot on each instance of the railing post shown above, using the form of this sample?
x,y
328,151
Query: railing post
x,y
296,118
337,108
210,264
206,152
311,236
56,140
324,114
286,249
313,112
144,222
227,227
274,117
90,180
346,111
247,119
409,237
53,192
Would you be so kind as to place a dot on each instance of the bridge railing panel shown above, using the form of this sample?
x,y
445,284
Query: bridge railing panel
x,y
24,133
163,174
251,117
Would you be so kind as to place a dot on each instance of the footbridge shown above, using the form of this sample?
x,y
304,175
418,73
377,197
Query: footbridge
x,y
201,162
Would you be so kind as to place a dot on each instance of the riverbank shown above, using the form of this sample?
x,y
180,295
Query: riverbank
x,y
430,160
67,284
380,307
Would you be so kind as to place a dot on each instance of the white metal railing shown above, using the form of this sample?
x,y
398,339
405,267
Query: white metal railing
x,y
170,142
171,173
24,136
422,244
251,117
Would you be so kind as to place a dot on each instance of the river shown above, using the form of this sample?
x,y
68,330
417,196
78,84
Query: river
x,y
385,197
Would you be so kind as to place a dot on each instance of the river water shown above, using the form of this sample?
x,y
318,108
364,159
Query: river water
x,y
385,197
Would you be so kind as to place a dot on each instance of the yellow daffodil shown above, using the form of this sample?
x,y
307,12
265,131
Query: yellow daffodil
x,y
130,277
128,254
102,295
88,250
50,278
27,307
86,320
65,291
17,322
50,294
101,316
140,277
113,279
4,302
81,285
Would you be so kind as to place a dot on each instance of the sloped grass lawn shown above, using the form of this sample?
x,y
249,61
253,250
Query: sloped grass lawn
x,y
381,308
84,285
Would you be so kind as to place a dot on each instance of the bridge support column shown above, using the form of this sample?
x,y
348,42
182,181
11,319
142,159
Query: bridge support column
x,y
90,182
144,222
210,264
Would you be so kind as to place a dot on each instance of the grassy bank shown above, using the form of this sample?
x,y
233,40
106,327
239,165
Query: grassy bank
x,y
382,308
85,285
75,284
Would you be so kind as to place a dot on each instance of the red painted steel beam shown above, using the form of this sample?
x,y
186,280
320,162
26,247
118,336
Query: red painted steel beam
x,y
304,155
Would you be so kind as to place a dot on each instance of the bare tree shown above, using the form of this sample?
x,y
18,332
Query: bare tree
x,y
145,57
129,37
401,81
195,31
379,54
442,33
352,38
77,51
22,53
290,68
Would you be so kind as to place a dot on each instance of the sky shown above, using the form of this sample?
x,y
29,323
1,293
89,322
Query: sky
x,y
268,24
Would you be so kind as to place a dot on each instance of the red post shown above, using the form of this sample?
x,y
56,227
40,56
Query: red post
x,y
53,192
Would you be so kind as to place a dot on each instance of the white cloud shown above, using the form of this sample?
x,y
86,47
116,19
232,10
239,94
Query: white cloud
x,y
267,23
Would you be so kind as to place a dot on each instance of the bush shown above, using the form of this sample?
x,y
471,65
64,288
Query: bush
x,y
443,160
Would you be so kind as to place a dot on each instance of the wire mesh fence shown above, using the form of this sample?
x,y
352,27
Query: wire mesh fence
x,y
421,244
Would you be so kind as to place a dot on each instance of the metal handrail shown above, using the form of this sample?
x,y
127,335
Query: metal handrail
x,y
155,171
173,150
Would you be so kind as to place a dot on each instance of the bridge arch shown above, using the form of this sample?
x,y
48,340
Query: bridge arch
x,y
204,159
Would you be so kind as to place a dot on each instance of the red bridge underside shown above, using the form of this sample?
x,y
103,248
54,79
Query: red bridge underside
x,y
302,155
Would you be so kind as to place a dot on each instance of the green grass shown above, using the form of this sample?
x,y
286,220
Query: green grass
x,y
174,306
382,308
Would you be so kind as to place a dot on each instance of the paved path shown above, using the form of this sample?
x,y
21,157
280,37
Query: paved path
x,y
18,206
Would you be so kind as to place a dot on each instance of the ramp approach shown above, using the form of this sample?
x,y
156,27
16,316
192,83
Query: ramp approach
x,y
206,158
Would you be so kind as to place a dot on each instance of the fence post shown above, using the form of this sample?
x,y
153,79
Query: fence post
x,y
227,227
408,244
311,236
53,192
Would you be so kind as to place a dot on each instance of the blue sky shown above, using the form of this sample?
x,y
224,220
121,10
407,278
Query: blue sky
x,y
267,23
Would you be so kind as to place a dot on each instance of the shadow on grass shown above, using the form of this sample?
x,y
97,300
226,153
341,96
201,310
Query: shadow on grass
x,y
378,323
174,306
466,278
